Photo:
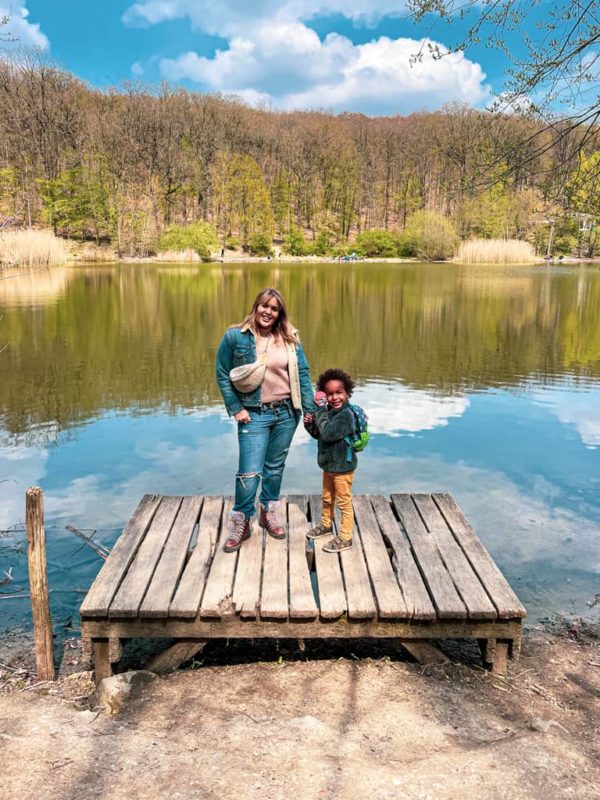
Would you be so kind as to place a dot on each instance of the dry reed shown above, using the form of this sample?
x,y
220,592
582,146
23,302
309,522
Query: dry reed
x,y
495,251
177,256
96,253
31,248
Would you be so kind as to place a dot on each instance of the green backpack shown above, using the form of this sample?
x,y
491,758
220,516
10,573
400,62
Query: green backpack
x,y
360,440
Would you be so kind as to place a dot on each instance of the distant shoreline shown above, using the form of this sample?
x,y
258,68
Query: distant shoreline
x,y
322,260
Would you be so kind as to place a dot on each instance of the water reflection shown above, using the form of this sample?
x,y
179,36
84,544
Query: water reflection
x,y
146,336
481,382
395,409
36,287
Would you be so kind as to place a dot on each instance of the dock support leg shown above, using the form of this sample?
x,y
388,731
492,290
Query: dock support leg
x,y
496,652
514,648
488,650
115,648
500,662
102,665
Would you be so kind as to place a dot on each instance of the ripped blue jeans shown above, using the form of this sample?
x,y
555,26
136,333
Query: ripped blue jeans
x,y
264,444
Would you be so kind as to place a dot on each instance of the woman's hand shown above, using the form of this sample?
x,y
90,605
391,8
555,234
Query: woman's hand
x,y
242,416
308,420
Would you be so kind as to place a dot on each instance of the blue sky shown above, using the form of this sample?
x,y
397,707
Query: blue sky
x,y
343,55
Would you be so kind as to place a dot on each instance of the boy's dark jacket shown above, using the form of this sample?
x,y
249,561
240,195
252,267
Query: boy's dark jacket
x,y
330,426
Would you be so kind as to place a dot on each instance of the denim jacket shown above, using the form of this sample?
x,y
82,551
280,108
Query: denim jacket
x,y
237,347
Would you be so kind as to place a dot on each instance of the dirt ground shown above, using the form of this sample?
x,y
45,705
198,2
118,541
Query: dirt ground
x,y
333,723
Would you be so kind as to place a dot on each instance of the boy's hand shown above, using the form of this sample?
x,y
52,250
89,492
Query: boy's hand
x,y
320,399
308,420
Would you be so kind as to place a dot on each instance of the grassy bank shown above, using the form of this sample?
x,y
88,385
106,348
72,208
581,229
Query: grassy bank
x,y
496,251
31,248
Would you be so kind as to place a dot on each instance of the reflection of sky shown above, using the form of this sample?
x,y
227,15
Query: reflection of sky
x,y
523,467
579,409
394,409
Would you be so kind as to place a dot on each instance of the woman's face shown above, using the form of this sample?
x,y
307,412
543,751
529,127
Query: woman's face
x,y
266,314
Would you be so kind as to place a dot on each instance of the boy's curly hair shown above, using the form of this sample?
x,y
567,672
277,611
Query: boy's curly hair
x,y
335,375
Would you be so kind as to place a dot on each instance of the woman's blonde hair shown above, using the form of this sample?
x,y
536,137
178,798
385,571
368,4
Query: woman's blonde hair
x,y
282,327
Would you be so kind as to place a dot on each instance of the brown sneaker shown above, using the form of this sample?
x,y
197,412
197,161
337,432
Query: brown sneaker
x,y
238,531
337,545
319,530
269,520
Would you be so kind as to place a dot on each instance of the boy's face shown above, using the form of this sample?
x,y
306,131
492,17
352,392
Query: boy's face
x,y
336,393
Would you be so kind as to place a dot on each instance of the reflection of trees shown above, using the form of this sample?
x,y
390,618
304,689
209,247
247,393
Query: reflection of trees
x,y
146,337
40,286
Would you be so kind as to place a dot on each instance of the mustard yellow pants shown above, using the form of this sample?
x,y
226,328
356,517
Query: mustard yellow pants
x,y
337,489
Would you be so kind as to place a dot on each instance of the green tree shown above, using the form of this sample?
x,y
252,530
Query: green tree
x,y
377,243
9,192
245,199
295,243
81,202
198,236
259,245
429,236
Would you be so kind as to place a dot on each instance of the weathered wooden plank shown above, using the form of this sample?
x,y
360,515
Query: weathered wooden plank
x,y
166,575
234,627
188,595
246,588
129,597
301,500
302,599
108,580
425,652
439,583
415,594
506,601
101,659
390,602
499,664
38,583
359,593
175,655
217,599
468,585
332,596
274,602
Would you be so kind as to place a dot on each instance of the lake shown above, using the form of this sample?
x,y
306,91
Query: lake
x,y
480,381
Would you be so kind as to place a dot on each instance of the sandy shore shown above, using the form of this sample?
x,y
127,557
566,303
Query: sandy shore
x,y
322,724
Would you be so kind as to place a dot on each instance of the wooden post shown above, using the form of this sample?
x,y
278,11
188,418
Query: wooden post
x,y
38,583
102,665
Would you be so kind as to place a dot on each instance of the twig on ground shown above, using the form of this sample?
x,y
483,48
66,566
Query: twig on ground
x,y
99,549
8,578
14,596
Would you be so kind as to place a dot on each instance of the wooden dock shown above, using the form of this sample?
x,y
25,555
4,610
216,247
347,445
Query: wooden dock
x,y
417,571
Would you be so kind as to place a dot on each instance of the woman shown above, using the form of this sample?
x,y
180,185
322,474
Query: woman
x,y
268,415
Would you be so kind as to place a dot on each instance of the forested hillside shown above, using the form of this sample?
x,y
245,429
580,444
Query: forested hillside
x,y
123,165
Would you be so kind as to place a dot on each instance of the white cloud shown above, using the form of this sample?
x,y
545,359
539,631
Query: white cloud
x,y
137,69
579,409
290,67
273,57
394,409
234,16
20,467
19,28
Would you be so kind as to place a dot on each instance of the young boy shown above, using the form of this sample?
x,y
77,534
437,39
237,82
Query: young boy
x,y
332,422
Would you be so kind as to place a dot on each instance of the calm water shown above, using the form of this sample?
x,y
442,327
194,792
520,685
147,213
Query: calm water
x,y
484,382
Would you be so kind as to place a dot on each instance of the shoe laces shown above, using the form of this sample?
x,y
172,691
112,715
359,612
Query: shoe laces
x,y
238,526
272,518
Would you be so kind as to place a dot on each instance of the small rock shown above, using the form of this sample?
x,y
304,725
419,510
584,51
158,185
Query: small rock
x,y
112,692
544,725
